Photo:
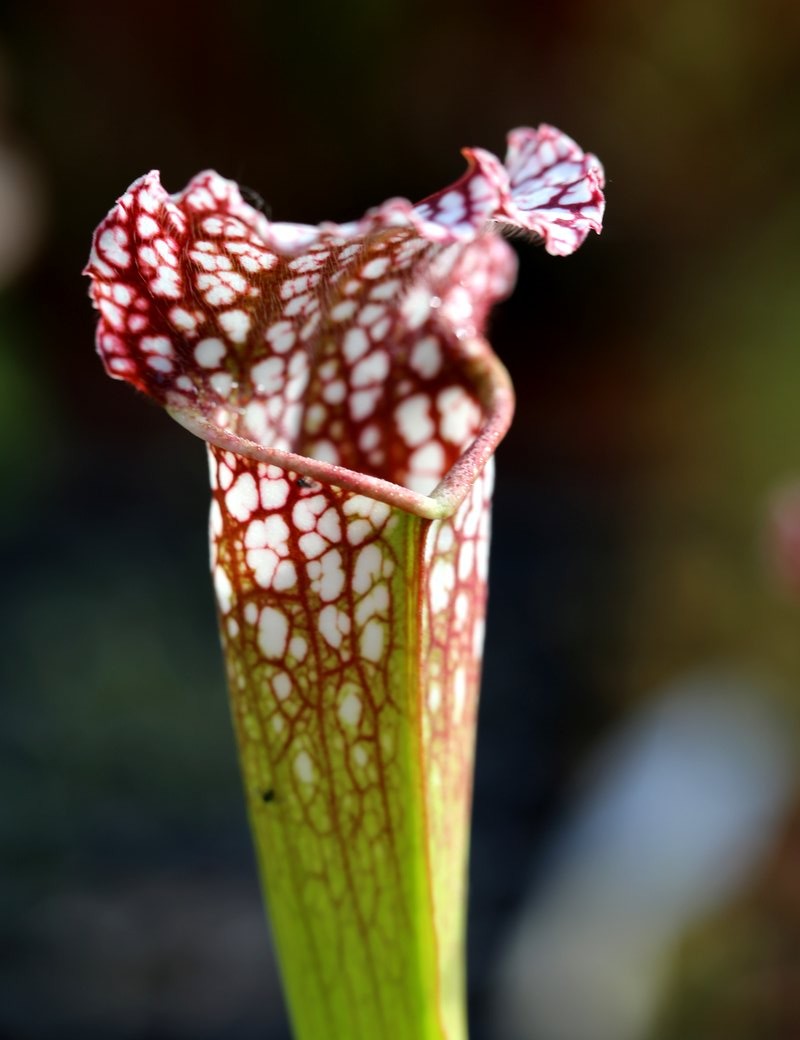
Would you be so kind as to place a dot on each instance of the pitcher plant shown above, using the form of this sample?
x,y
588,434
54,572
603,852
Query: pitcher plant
x,y
351,406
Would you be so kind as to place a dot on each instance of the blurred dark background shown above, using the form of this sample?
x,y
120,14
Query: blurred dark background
x,y
646,559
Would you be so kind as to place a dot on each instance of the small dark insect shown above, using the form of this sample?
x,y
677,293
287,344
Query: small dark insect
x,y
255,200
268,796
304,482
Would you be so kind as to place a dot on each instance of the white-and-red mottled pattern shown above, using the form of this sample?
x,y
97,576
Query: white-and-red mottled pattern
x,y
330,601
341,343
351,405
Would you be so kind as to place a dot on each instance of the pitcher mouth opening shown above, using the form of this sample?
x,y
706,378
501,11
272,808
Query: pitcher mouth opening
x,y
492,386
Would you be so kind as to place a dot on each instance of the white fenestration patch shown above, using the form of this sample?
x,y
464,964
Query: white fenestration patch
x,y
375,268
368,508
304,768
285,576
350,251
182,320
355,344
204,256
298,648
343,311
442,583
268,375
374,368
386,290
215,523
311,325
417,306
272,533
273,632
242,498
311,262
282,685
370,314
316,416
457,307
273,493
426,357
236,324
426,467
363,403
167,283
350,709
307,511
312,545
221,383
112,313
266,542
371,642
225,474
299,371
414,421
223,589
380,329
335,392
282,336
375,602
157,345
333,624
209,352
466,559
120,364
256,422
446,538
358,530
367,569
451,208
160,364
460,415
329,526
112,244
331,580
369,438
